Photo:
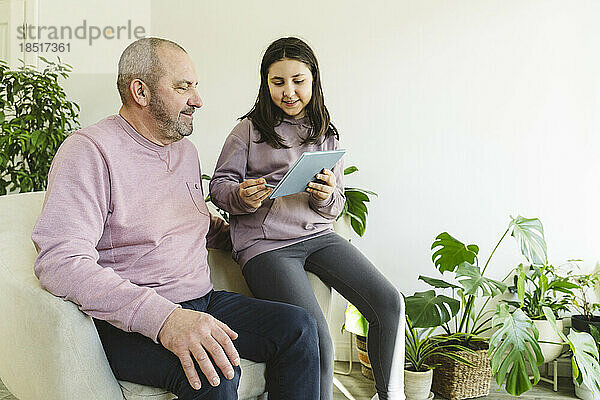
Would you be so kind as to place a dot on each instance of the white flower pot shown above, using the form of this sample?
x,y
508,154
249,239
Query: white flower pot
x,y
417,385
547,334
582,391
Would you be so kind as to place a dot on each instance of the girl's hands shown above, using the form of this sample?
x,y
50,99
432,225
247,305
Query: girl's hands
x,y
254,191
322,191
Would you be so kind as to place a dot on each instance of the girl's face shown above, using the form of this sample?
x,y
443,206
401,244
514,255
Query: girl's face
x,y
290,86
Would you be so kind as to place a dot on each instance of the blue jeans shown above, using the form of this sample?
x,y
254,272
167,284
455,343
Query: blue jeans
x,y
279,275
282,336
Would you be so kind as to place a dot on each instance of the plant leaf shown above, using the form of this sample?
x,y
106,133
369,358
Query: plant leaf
x,y
426,310
529,232
365,191
438,283
351,169
586,366
355,322
451,252
471,279
356,195
585,357
595,334
513,347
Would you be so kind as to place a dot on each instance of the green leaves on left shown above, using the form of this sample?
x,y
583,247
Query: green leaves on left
x,y
35,118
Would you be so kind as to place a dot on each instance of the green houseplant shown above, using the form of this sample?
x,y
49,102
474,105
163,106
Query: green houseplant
x,y
35,118
543,293
581,389
588,310
585,360
423,347
474,291
540,287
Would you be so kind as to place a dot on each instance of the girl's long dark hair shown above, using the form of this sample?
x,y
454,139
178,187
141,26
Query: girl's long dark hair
x,y
266,116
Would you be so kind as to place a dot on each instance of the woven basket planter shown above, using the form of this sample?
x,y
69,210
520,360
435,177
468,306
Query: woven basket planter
x,y
456,381
363,357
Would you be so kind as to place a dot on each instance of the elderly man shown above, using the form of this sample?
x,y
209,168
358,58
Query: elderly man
x,y
124,232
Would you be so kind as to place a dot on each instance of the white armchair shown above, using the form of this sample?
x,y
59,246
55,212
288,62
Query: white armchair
x,y
50,350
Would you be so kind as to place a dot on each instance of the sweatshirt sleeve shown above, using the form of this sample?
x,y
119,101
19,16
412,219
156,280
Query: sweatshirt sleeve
x,y
230,172
76,208
331,207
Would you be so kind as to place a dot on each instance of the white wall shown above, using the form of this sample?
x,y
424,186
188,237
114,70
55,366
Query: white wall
x,y
458,113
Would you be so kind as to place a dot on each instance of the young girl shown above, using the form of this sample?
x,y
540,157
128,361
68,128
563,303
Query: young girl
x,y
276,241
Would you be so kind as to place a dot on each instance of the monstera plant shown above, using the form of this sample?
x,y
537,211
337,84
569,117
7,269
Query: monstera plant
x,y
542,293
514,345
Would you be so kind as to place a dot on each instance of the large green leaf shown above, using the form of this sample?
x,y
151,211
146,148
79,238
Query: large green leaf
x,y
471,279
513,347
438,283
585,361
426,310
451,252
529,232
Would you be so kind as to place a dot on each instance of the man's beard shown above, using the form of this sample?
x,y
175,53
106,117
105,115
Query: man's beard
x,y
171,128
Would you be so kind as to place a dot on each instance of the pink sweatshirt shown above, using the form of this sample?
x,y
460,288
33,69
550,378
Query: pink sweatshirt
x,y
123,231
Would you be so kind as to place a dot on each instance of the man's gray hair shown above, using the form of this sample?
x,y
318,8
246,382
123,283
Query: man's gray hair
x,y
140,60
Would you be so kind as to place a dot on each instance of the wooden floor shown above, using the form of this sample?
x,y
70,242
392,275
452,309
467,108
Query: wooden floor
x,y
363,389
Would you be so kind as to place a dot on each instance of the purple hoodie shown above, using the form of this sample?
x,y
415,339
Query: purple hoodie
x,y
285,220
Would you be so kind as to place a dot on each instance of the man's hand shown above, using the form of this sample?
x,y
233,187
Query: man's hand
x,y
189,333
254,191
322,191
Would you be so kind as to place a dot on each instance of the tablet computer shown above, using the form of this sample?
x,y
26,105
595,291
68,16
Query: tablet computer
x,y
304,170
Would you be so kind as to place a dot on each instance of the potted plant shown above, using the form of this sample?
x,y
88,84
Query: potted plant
x,y
539,286
583,303
35,118
581,389
474,291
585,361
423,347
522,326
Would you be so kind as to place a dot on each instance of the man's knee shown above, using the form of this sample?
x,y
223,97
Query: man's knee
x,y
226,390
298,322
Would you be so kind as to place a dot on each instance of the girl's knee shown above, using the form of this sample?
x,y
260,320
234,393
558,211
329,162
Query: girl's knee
x,y
394,308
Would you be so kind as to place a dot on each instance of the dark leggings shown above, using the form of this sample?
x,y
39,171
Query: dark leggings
x,y
280,275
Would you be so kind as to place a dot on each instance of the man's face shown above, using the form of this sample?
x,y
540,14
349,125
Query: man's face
x,y
175,98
